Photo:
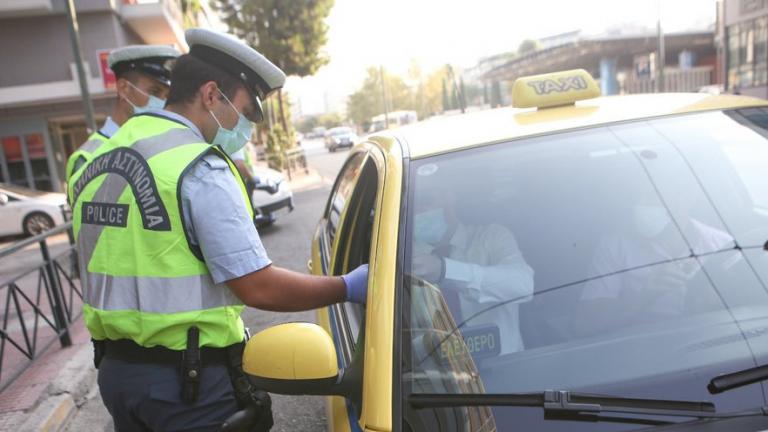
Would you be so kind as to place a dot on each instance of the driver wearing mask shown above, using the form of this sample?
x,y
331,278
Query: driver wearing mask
x,y
657,249
476,266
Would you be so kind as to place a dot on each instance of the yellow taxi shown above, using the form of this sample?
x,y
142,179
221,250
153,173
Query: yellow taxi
x,y
572,263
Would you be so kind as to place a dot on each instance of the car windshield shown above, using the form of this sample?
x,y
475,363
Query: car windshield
x,y
20,190
626,259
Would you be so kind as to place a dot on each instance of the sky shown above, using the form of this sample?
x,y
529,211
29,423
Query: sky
x,y
395,33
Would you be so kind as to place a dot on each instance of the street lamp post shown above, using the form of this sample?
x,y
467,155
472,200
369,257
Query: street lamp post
x,y
74,38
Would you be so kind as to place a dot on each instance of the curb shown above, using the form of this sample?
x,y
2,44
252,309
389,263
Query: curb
x,y
51,415
64,395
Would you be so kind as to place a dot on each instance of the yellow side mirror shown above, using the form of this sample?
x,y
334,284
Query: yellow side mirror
x,y
292,358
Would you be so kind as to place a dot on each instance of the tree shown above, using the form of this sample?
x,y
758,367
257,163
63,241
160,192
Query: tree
x,y
290,33
190,10
526,46
446,100
368,101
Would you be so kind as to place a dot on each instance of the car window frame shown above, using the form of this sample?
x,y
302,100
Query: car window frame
x,y
330,237
349,317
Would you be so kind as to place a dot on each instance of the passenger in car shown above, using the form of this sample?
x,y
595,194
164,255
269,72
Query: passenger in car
x,y
643,273
476,266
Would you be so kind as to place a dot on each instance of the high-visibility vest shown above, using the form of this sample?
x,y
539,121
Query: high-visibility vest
x,y
144,280
84,154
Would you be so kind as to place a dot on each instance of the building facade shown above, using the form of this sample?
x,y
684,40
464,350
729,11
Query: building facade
x,y
743,31
42,117
622,62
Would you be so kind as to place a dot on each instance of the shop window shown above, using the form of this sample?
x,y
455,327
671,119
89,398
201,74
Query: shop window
x,y
38,161
25,161
14,159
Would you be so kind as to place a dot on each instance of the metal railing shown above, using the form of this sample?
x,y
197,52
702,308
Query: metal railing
x,y
38,304
675,80
295,159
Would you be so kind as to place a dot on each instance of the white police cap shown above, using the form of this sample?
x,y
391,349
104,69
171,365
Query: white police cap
x,y
260,75
153,60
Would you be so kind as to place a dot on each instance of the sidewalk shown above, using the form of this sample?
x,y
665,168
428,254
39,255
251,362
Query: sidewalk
x,y
48,393
301,181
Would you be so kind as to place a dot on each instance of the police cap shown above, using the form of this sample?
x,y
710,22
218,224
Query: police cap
x,y
260,76
156,61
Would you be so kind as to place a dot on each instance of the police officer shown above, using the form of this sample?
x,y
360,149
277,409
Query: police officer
x,y
143,75
164,232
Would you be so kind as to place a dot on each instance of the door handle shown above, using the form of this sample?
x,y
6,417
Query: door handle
x,y
309,266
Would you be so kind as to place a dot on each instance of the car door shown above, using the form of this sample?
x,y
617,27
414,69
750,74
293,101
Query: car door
x,y
10,215
344,242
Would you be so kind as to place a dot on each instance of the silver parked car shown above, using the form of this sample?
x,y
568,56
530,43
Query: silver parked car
x,y
339,137
272,196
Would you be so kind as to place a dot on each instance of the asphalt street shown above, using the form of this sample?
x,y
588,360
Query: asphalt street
x,y
288,244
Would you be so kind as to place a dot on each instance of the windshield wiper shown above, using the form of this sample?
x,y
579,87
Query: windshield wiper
x,y
738,379
560,401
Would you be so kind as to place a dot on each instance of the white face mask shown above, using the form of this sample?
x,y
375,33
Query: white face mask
x,y
430,226
651,220
153,102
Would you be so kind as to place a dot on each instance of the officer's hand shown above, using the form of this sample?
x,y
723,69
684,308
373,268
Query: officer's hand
x,y
357,284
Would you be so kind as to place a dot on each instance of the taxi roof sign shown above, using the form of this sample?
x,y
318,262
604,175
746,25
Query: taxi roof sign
x,y
554,89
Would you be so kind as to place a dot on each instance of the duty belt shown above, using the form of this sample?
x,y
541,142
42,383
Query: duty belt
x,y
131,352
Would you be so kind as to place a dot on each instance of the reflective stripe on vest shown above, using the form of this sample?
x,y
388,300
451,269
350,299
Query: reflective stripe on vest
x,y
85,152
144,280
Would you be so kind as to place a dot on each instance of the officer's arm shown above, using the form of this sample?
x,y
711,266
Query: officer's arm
x,y
279,290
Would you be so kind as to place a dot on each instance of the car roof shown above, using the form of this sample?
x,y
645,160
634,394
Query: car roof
x,y
450,133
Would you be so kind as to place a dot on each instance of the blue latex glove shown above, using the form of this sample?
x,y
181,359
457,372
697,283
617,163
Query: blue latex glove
x,y
357,284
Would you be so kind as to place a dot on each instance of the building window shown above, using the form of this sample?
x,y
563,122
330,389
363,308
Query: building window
x,y
14,161
761,51
748,53
24,161
749,6
733,55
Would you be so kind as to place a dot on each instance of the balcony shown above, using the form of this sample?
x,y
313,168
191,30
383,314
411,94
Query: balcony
x,y
155,21
15,8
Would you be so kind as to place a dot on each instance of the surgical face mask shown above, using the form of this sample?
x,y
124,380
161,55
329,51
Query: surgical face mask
x,y
651,220
232,140
153,102
430,226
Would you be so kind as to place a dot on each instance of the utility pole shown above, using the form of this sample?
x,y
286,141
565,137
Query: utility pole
x,y
660,54
74,38
384,96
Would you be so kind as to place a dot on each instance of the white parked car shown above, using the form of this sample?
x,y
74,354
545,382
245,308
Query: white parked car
x,y
271,198
25,211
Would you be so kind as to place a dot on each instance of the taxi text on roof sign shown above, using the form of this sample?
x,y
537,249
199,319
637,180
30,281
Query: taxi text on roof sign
x,y
554,89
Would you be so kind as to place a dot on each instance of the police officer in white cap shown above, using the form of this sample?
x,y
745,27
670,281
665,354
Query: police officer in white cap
x,y
143,75
170,255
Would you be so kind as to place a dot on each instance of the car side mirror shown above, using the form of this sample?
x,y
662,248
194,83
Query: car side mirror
x,y
3,199
294,359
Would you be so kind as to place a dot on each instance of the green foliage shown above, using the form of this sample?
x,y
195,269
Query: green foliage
x,y
277,143
368,102
290,33
190,10
526,46
446,100
328,120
